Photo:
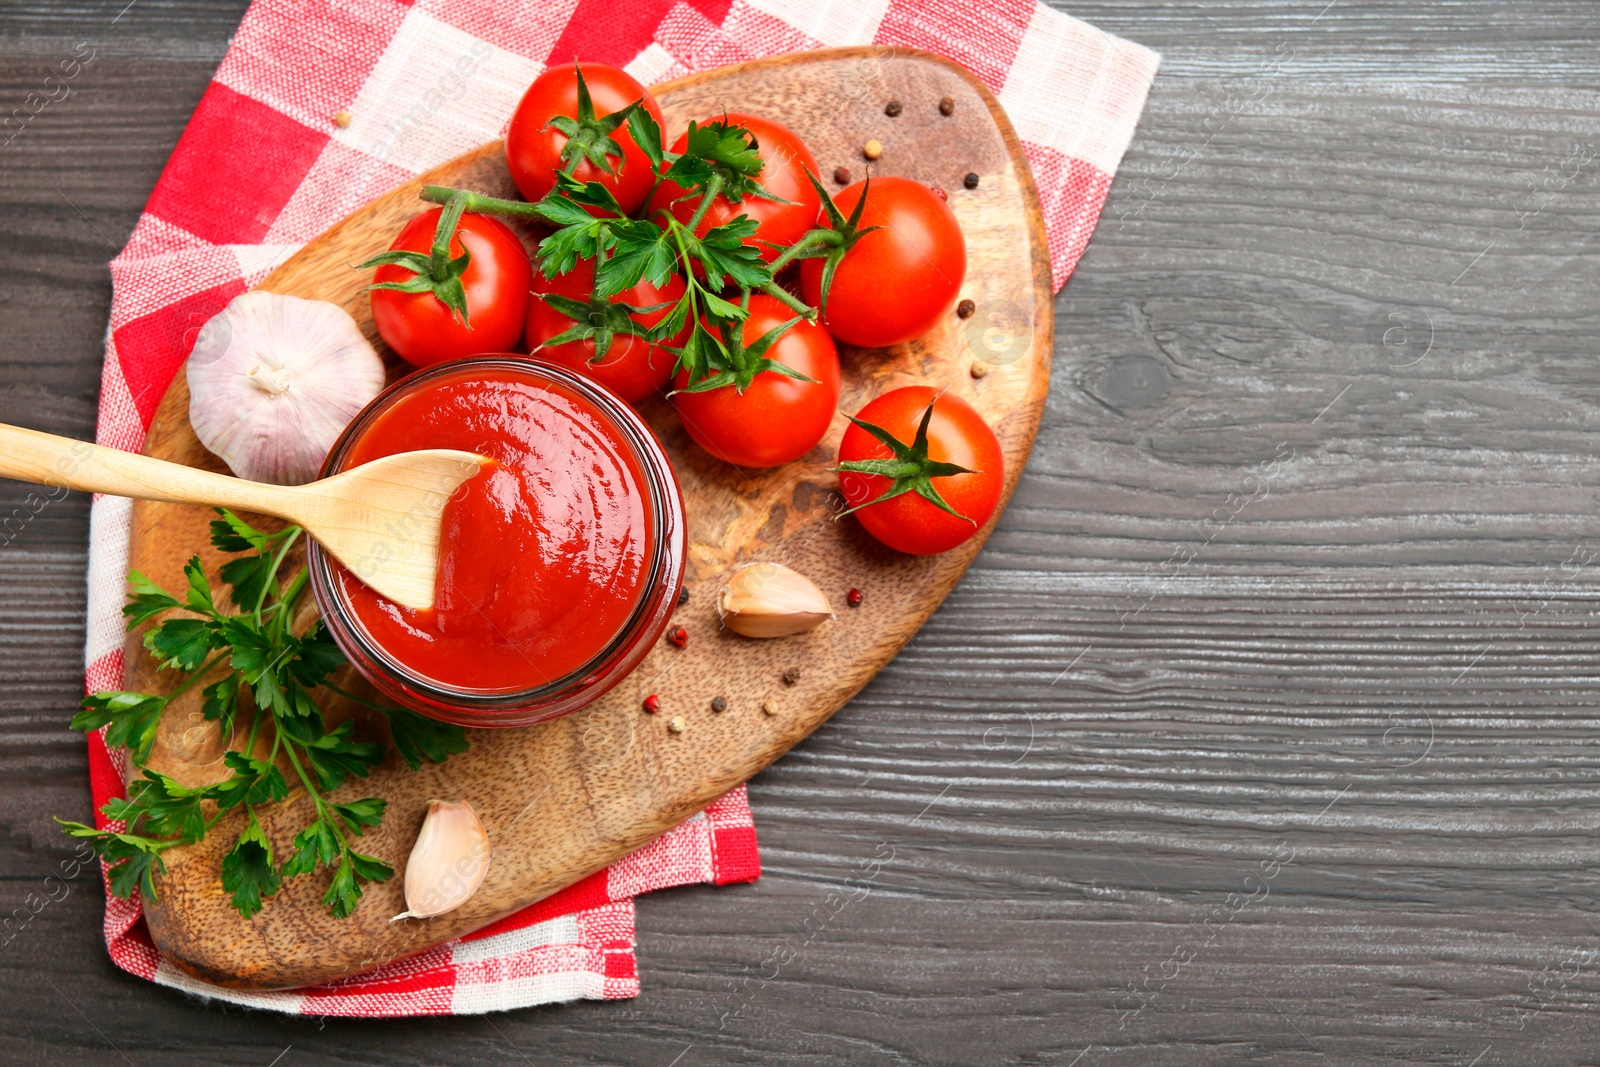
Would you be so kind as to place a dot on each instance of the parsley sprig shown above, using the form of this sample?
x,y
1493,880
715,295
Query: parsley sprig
x,y
269,676
720,267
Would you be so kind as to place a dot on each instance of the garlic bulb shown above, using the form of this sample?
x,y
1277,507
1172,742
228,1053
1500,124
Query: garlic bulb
x,y
448,861
770,600
274,380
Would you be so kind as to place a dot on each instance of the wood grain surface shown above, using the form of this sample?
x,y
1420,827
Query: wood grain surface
x,y
1061,826
564,799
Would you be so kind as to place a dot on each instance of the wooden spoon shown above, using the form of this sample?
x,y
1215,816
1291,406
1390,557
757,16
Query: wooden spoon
x,y
381,519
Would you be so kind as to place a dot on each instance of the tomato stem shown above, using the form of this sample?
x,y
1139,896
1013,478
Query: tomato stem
x,y
805,244
713,188
789,300
479,204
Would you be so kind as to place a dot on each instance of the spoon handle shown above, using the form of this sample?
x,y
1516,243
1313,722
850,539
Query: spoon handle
x,y
62,462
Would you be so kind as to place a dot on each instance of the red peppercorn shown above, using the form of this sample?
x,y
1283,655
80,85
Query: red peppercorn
x,y
679,637
939,192
652,703
853,598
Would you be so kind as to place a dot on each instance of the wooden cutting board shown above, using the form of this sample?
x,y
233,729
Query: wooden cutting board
x,y
566,798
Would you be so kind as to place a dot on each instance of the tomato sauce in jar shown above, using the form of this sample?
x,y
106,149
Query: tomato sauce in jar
x,y
548,557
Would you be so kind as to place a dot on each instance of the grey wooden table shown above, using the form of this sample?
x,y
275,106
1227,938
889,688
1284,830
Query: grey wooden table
x,y
1263,731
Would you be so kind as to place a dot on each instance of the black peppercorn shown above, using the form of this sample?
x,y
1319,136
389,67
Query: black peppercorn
x,y
892,108
970,181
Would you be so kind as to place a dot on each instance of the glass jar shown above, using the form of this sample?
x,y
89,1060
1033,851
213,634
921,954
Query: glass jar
x,y
662,560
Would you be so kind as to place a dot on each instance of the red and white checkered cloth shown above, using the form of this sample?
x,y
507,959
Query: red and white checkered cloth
x,y
262,168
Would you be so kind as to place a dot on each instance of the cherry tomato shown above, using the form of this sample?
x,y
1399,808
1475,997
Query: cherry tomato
x,y
633,368
533,146
785,158
897,282
422,329
777,418
957,434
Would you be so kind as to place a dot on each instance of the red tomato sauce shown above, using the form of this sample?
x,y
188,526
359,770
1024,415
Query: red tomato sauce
x,y
544,555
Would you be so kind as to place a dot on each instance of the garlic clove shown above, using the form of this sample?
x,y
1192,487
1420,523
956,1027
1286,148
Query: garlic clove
x,y
770,600
274,380
448,862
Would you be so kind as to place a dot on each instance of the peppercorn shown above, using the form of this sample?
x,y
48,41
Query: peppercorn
x,y
679,637
939,192
652,703
872,149
966,308
676,725
719,704
892,108
853,598
980,370
791,676
841,175
683,596
341,119
970,181
947,106
769,706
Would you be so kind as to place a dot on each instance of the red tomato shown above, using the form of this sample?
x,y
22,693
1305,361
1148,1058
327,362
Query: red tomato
x,y
422,329
896,282
533,146
777,418
956,434
785,158
633,368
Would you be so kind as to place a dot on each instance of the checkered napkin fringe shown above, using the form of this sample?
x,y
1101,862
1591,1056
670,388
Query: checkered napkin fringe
x,y
263,167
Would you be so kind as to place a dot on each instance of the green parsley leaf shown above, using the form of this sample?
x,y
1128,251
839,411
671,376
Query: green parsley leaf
x,y
336,756
643,251
344,892
252,652
247,870
199,591
717,147
148,599
560,252
254,781
272,695
222,702
182,643
131,719
160,807
248,575
316,844
359,815
724,253
232,534
315,656
131,861
417,737
371,868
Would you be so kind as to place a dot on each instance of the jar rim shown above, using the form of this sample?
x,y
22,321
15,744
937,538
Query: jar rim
x,y
658,592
